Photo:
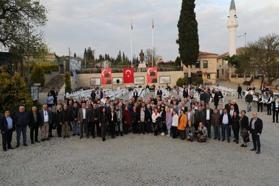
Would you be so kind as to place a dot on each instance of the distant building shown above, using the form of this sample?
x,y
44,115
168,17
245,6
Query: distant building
x,y
206,67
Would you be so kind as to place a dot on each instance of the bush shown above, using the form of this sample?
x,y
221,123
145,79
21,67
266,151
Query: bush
x,y
47,68
37,75
14,92
68,87
181,82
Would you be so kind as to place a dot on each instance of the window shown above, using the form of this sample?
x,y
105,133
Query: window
x,y
198,64
205,64
208,76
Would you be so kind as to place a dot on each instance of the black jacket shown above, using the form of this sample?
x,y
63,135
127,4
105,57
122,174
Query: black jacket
x,y
258,126
34,123
244,123
4,125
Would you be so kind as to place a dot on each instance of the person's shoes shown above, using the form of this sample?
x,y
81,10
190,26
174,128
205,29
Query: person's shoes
x,y
43,140
223,139
17,145
81,137
5,150
236,142
32,142
25,145
37,141
253,149
258,152
104,139
74,134
10,148
242,145
48,139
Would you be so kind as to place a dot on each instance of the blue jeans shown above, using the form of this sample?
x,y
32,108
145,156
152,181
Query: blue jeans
x,y
75,127
20,130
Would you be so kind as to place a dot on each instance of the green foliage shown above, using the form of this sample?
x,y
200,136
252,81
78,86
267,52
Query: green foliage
x,y
14,92
37,75
188,39
181,82
68,86
196,79
88,57
18,23
178,61
263,57
48,67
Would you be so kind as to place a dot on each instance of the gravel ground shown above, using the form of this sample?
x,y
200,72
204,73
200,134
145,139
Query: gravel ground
x,y
143,160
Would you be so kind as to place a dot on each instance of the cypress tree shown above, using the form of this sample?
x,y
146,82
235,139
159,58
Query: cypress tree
x,y
188,39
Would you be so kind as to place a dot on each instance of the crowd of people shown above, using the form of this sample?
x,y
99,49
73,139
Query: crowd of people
x,y
187,117
265,99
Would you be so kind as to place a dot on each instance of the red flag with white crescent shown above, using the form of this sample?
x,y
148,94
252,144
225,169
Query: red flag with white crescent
x,y
152,75
106,76
128,75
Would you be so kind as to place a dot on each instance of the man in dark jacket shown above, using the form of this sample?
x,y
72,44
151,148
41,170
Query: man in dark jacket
x,y
35,120
249,100
7,128
239,91
256,127
22,120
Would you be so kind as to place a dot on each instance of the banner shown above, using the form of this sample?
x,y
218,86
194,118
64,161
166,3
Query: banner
x,y
152,75
128,75
106,76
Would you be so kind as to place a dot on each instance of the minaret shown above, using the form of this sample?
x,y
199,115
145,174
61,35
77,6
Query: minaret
x,y
232,26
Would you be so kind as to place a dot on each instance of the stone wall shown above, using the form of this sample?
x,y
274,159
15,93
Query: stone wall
x,y
84,79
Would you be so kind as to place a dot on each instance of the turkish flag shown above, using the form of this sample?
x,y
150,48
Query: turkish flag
x,y
152,75
128,75
106,76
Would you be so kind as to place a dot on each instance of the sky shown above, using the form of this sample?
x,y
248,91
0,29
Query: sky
x,y
104,25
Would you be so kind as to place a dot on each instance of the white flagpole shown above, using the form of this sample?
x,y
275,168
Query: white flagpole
x,y
152,43
131,42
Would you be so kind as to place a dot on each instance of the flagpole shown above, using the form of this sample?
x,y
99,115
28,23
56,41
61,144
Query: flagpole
x,y
131,42
152,43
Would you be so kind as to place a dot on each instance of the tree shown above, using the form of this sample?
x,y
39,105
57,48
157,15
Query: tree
x,y
37,75
68,86
188,39
18,20
177,61
13,92
263,57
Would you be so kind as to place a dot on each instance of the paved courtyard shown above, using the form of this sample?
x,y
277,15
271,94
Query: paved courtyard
x,y
143,160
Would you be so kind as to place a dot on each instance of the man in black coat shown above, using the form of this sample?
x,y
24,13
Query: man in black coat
x,y
35,121
256,127
22,120
239,91
7,128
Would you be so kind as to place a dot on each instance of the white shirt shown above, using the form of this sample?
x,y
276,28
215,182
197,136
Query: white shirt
x,y
175,120
225,120
83,113
46,116
207,114
154,117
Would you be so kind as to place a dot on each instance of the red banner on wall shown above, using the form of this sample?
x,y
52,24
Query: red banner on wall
x,y
152,75
106,76
128,75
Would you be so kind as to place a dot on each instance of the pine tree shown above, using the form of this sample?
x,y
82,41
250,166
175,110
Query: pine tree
x,y
188,39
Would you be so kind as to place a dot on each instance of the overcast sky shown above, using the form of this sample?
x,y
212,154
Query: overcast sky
x,y
105,24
